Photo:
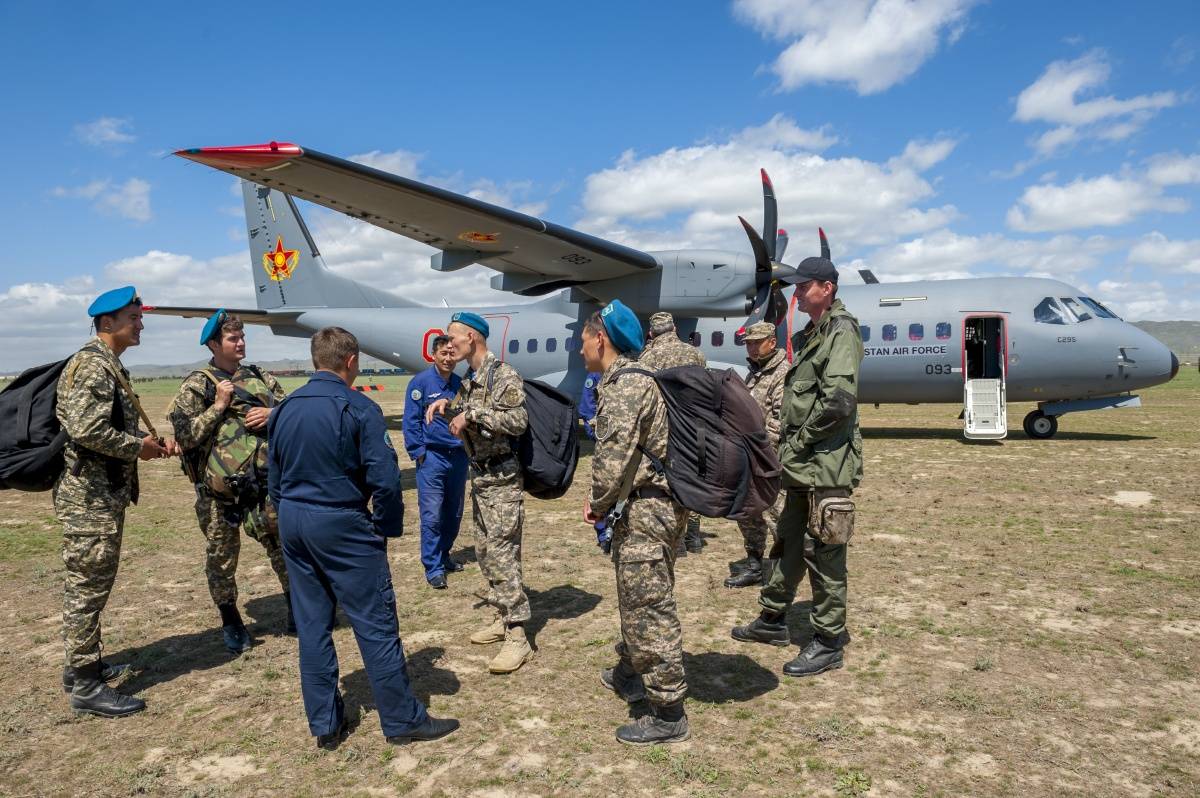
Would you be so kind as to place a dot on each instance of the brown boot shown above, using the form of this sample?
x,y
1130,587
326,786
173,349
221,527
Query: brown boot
x,y
514,653
492,633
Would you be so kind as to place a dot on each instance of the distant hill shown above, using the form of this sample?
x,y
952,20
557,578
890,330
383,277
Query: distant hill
x,y
1183,337
266,365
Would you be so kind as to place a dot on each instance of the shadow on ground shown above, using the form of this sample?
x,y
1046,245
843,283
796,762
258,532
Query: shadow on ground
x,y
426,678
717,678
934,433
561,603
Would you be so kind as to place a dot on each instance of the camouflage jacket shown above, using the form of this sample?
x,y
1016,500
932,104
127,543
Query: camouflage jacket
x,y
821,445
494,417
100,459
192,414
666,351
765,382
629,411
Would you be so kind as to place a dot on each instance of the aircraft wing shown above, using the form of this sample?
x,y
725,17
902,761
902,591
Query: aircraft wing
x,y
248,316
534,256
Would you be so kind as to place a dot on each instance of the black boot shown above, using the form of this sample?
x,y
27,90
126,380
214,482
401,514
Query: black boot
x,y
291,619
625,682
91,696
751,574
333,739
108,673
768,627
664,724
431,729
693,541
237,639
820,655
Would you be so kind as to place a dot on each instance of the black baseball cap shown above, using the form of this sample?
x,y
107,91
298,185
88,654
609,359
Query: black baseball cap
x,y
814,269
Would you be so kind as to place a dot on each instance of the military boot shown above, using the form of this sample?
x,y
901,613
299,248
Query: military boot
x,y
237,638
693,541
625,682
664,724
91,696
768,627
820,655
108,673
750,575
514,653
493,633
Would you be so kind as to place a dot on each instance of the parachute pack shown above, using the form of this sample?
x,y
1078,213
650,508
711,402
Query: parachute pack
x,y
548,449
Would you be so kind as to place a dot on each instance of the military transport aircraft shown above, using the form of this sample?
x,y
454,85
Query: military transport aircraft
x,y
976,342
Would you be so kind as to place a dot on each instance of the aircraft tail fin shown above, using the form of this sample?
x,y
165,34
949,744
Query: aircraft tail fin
x,y
287,267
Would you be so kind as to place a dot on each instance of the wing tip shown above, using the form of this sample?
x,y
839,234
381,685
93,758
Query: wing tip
x,y
244,156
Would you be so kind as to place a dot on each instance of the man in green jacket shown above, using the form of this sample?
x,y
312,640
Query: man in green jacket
x,y
820,449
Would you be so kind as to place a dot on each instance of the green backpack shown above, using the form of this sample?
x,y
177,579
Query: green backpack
x,y
235,471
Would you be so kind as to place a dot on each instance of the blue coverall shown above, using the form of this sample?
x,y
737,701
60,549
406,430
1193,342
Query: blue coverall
x,y
587,402
441,468
329,453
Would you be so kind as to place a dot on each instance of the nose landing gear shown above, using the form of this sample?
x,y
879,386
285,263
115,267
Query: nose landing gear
x,y
1039,425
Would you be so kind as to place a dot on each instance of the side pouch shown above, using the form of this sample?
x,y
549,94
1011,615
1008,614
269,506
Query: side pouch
x,y
832,516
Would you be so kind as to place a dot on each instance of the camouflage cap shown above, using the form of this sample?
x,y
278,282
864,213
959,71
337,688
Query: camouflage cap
x,y
661,322
759,330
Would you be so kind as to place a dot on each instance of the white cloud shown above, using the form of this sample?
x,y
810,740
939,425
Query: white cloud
x,y
871,44
691,196
1156,250
1057,98
130,199
1146,300
105,132
1174,169
943,254
398,162
1104,201
782,131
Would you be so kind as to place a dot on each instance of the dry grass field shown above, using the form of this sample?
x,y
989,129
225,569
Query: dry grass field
x,y
1025,620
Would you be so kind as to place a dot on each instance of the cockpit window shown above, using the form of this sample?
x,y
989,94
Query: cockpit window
x,y
1049,312
1100,310
1075,309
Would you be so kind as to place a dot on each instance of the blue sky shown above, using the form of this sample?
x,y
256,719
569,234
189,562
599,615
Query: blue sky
x,y
931,139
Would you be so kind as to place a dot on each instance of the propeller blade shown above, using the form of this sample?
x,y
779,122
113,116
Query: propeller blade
x,y
759,306
824,246
762,260
781,244
770,216
777,306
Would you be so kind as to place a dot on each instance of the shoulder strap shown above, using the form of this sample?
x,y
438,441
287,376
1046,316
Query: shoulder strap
x,y
124,383
627,478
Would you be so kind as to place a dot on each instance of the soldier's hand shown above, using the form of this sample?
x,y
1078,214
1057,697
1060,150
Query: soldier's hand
x,y
457,425
588,516
224,394
437,407
151,449
172,447
256,417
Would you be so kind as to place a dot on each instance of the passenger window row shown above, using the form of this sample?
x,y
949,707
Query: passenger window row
x,y
916,331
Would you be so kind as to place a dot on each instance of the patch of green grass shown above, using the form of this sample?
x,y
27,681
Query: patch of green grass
x,y
963,698
852,783
983,664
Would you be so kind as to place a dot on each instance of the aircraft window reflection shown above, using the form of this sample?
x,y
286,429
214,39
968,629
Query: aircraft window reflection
x,y
718,338
943,331
531,345
866,333
1049,312
916,332
514,346
551,344
1100,310
695,338
1075,309
889,332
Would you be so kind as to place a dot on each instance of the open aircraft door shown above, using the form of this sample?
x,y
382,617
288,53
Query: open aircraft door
x,y
985,366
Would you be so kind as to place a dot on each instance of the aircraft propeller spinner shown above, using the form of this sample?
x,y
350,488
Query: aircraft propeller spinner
x,y
768,301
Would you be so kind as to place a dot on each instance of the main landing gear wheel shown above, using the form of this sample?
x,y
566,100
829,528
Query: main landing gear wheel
x,y
1039,425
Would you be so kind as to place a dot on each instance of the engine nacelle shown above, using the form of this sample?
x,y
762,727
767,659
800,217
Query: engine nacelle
x,y
689,282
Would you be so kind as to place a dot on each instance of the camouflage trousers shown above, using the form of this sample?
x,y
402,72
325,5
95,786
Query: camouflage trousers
x,y
91,553
225,544
755,532
644,545
498,507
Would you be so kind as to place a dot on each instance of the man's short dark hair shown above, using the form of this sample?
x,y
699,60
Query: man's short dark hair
x,y
594,325
229,324
331,346
440,341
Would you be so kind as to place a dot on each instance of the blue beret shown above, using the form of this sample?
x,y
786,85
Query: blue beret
x,y
112,301
624,329
212,326
472,320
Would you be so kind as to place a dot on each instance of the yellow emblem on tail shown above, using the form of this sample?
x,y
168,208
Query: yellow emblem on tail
x,y
280,262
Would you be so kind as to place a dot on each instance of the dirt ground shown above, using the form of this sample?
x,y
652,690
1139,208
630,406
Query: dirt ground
x,y
1025,619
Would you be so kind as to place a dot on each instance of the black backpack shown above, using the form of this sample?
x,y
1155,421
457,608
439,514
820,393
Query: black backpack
x,y
31,439
548,449
719,462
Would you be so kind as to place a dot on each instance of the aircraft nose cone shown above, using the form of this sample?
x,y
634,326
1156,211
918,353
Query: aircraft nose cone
x,y
1174,365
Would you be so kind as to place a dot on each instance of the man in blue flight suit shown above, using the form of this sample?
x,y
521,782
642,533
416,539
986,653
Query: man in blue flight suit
x,y
441,463
329,454
587,402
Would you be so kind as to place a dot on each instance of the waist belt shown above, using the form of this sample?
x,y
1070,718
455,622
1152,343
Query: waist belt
x,y
650,492
492,462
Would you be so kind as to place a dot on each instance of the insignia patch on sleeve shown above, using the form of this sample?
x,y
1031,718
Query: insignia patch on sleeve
x,y
509,397
416,394
602,427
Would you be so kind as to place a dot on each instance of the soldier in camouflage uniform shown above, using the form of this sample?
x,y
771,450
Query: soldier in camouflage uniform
x,y
646,528
664,350
768,365
213,402
98,483
820,450
488,413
